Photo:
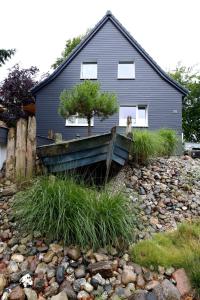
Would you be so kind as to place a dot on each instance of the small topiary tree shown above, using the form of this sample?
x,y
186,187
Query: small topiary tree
x,y
88,101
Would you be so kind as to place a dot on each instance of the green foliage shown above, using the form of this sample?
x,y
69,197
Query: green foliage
x,y
149,144
146,144
180,249
66,210
69,47
190,79
88,101
170,140
5,55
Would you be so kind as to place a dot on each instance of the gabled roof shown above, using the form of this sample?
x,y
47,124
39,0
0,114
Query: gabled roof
x,y
127,35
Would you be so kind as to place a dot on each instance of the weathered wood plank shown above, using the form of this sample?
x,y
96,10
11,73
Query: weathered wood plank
x,y
76,163
20,153
121,152
10,156
73,145
59,159
118,159
31,146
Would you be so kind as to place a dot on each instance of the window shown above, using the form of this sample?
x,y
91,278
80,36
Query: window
x,y
78,121
138,114
88,70
126,70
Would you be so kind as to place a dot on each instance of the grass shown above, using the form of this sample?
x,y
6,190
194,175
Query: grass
x,y
149,144
66,210
180,249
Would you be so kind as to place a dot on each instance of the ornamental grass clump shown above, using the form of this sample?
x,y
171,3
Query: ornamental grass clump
x,y
170,140
62,209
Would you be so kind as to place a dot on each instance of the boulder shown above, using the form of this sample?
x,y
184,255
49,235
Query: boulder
x,y
170,292
128,276
17,294
30,294
104,268
74,253
182,282
60,296
19,258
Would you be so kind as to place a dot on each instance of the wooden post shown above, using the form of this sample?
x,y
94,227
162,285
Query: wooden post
x,y
110,153
31,147
20,152
10,156
129,126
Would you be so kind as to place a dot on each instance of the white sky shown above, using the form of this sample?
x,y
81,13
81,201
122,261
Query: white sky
x,y
169,30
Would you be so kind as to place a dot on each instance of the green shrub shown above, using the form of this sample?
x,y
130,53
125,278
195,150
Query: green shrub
x,y
66,210
169,139
146,144
180,249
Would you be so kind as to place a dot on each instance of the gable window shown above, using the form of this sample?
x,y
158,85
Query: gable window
x,y
126,70
138,114
78,121
88,70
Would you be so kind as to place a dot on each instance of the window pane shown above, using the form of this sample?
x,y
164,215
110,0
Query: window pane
x,y
125,112
126,70
89,71
142,116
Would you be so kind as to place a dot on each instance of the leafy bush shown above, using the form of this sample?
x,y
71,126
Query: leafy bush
x,y
146,144
63,209
169,139
180,249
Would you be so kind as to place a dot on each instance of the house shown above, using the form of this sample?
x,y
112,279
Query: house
x,y
112,56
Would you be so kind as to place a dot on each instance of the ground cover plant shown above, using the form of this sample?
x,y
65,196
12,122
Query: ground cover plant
x,y
61,208
149,144
180,249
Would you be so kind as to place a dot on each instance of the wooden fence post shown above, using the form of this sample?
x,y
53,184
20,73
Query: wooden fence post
x,y
10,156
31,146
20,152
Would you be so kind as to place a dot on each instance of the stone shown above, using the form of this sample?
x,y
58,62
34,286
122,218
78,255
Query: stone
x,y
151,285
67,288
78,283
3,282
48,256
60,274
17,294
3,247
39,284
83,295
51,290
12,267
88,287
169,271
56,248
51,272
138,295
140,281
30,294
61,296
151,296
147,276
41,268
80,272
182,282
158,291
104,268
128,276
15,277
74,253
170,292
26,281
5,296
100,257
19,258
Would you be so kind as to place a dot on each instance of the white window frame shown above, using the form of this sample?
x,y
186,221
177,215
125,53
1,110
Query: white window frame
x,y
70,124
124,63
137,121
88,63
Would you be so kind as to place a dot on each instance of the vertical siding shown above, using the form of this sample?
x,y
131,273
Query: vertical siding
x,y
108,47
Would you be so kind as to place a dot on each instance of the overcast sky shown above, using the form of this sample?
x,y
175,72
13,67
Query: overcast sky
x,y
169,30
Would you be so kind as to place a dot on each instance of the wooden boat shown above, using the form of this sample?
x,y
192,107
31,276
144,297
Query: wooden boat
x,y
67,155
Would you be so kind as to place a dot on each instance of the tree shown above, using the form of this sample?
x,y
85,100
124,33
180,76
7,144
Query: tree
x,y
190,79
69,46
15,91
5,55
87,101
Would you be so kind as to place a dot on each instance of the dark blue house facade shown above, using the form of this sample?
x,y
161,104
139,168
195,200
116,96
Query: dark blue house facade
x,y
110,55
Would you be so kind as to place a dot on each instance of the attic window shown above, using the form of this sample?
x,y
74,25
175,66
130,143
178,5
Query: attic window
x,y
88,70
126,70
